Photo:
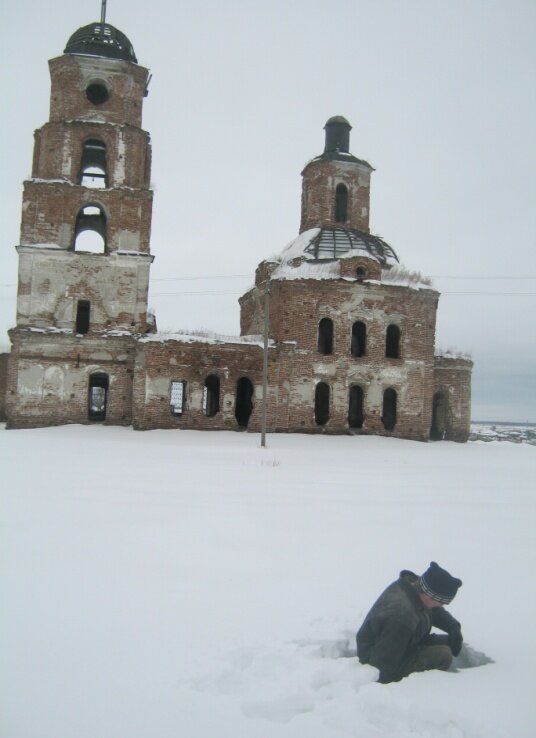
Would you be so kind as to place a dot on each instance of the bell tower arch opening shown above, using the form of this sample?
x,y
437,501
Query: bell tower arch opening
x,y
90,229
93,171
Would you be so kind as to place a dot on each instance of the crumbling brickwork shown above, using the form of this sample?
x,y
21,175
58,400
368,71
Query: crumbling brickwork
x,y
452,381
351,345
3,386
320,181
79,310
49,376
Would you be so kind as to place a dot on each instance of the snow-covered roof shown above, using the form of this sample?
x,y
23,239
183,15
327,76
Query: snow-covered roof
x,y
316,253
203,337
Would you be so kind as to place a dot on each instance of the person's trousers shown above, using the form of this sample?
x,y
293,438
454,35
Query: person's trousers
x,y
433,652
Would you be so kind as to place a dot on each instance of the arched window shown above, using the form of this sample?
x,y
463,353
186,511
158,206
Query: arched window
x,y
438,431
389,409
325,336
97,397
355,407
359,339
211,395
392,342
82,316
321,403
90,229
93,164
244,401
341,203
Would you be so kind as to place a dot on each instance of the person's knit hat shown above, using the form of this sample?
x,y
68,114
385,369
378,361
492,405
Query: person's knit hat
x,y
438,584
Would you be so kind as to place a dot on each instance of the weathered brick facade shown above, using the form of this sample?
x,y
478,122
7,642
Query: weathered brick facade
x,y
351,337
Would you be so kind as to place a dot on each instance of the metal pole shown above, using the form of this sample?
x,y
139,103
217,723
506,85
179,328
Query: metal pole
x,y
265,364
103,13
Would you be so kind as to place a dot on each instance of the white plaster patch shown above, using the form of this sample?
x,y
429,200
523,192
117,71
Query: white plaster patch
x,y
156,387
66,157
30,380
119,170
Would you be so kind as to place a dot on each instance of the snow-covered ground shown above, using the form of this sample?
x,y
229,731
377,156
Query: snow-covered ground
x,y
180,584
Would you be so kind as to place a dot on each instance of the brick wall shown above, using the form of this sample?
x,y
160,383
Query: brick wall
x,y
320,180
58,148
452,378
48,378
50,209
71,74
3,385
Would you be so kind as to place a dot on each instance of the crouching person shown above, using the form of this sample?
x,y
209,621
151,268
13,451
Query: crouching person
x,y
395,636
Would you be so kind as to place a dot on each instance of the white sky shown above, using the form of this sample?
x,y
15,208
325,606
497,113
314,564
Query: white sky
x,y
442,101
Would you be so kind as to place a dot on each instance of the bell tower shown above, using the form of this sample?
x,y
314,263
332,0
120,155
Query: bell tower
x,y
84,254
336,185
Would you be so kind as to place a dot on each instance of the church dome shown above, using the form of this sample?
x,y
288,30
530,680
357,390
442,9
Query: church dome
x,y
101,39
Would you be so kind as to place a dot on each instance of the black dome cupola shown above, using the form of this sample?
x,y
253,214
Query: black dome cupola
x,y
337,135
101,39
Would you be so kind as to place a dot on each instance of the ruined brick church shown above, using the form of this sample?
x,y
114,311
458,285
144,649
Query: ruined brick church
x,y
350,333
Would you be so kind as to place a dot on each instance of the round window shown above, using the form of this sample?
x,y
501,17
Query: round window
x,y
97,93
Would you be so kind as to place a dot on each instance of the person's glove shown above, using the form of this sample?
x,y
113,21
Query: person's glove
x,y
455,641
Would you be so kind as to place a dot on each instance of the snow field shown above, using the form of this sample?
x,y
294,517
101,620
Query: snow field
x,y
183,583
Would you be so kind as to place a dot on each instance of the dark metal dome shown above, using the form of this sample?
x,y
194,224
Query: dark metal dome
x,y
331,243
101,39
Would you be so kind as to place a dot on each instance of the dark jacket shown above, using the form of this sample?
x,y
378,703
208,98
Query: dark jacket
x,y
396,625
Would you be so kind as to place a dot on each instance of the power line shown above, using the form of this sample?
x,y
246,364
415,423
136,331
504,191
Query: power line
x,y
243,276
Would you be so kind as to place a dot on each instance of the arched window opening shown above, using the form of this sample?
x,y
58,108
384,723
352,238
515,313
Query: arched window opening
x,y
93,164
90,230
355,407
82,316
325,336
389,409
359,339
438,431
244,401
97,397
341,203
211,395
392,342
321,403
360,273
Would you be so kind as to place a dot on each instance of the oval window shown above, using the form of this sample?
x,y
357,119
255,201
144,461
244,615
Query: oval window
x,y
97,93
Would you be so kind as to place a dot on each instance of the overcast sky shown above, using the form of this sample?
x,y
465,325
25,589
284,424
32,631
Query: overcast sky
x,y
442,100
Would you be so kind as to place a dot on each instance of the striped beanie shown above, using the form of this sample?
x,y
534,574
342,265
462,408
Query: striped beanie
x,y
438,584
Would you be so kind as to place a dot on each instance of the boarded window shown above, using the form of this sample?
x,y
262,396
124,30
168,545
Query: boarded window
x,y
93,164
211,395
341,203
325,336
90,230
321,403
392,342
389,409
359,338
176,397
355,407
97,397
82,316
244,401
